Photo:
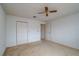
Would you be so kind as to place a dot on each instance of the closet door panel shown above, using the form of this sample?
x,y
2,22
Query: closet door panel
x,y
22,33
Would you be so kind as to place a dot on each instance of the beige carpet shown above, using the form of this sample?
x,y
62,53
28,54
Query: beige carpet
x,y
42,48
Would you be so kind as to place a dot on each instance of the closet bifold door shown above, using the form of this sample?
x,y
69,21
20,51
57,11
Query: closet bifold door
x,y
21,32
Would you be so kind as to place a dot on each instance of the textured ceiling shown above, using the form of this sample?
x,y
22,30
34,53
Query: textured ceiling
x,y
28,10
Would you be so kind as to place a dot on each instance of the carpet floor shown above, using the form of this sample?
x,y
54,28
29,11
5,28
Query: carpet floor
x,y
42,48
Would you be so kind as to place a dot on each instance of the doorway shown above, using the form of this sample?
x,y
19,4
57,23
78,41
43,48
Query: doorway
x,y
42,31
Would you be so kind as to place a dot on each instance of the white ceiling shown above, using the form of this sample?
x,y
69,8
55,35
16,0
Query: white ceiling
x,y
28,10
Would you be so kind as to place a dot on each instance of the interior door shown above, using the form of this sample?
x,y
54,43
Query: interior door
x,y
22,33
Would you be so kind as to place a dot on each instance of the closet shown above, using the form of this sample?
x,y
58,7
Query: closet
x,y
21,32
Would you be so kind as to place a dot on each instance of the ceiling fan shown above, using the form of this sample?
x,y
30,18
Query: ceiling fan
x,y
47,11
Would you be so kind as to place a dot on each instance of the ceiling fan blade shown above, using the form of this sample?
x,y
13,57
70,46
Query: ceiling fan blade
x,y
46,11
53,11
